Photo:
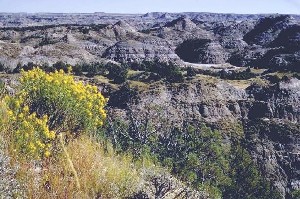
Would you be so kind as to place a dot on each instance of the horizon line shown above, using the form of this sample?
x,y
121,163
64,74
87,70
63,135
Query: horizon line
x,y
125,13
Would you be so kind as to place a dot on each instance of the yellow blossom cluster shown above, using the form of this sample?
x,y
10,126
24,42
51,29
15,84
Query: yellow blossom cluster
x,y
79,106
30,134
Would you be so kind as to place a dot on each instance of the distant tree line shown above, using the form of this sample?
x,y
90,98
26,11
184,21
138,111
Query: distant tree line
x,y
223,74
157,70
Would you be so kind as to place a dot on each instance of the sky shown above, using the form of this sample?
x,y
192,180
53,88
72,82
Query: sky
x,y
144,6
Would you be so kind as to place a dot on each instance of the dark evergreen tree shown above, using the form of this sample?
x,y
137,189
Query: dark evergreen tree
x,y
191,72
117,73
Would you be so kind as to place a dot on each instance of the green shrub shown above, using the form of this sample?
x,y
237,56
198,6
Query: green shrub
x,y
295,194
169,70
117,73
247,181
2,67
191,72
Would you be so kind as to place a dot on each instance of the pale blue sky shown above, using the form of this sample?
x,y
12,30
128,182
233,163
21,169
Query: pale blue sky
x,y
143,6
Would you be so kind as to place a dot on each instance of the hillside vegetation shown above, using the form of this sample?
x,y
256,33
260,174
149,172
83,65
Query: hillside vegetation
x,y
60,140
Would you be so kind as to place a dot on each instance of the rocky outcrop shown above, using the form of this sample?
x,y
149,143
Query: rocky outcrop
x,y
202,51
248,56
267,29
273,43
191,101
164,185
216,101
231,35
275,146
277,101
285,54
180,30
181,24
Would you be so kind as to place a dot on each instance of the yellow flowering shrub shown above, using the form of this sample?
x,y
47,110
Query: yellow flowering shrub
x,y
30,134
47,104
71,106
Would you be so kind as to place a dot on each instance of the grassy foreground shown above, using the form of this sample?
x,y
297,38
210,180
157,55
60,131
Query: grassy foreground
x,y
46,129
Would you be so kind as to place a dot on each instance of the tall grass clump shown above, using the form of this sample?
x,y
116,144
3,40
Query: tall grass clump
x,y
100,174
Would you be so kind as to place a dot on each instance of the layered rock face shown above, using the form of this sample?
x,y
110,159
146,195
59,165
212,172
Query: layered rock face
x,y
135,51
278,101
212,102
266,30
269,115
272,43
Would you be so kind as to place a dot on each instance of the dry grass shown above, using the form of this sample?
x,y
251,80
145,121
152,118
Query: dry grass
x,y
282,74
207,79
101,174
132,73
260,81
141,86
102,79
240,84
258,71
